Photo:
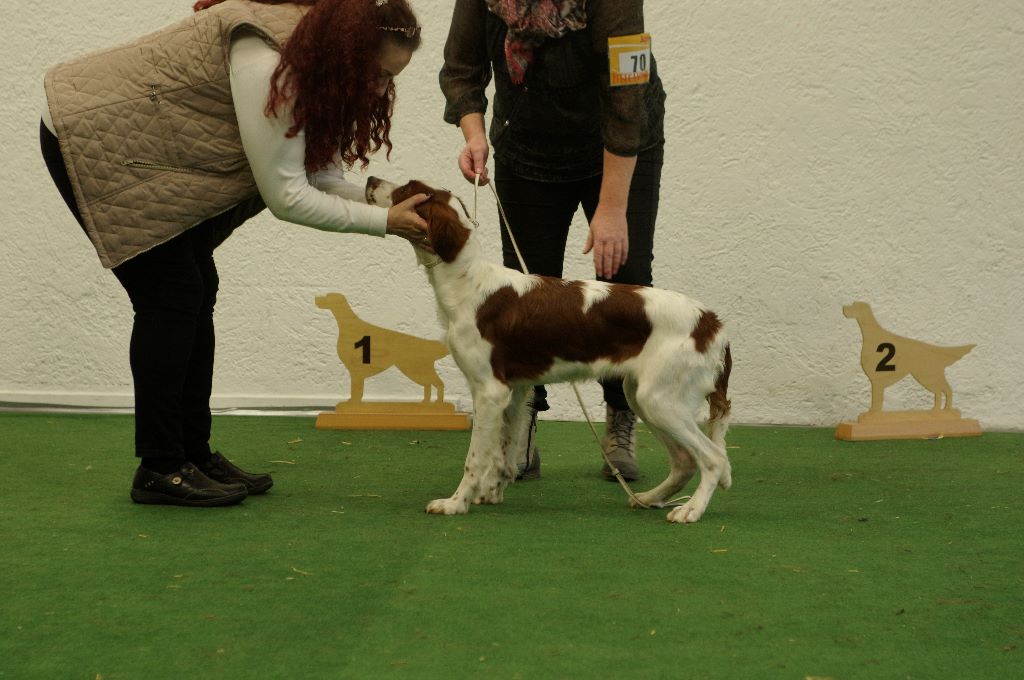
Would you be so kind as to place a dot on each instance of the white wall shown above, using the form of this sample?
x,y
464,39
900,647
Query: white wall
x,y
819,152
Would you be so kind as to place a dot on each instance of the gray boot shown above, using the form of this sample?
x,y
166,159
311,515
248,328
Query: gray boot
x,y
528,461
619,444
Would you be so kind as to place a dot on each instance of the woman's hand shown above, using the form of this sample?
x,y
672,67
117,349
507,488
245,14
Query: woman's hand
x,y
473,160
473,157
404,221
609,231
609,239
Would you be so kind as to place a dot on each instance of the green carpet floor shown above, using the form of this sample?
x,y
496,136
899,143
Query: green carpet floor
x,y
827,559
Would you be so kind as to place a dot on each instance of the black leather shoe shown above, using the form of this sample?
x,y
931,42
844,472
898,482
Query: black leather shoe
x,y
220,469
185,486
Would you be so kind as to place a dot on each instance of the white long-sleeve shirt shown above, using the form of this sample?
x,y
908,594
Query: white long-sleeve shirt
x,y
324,199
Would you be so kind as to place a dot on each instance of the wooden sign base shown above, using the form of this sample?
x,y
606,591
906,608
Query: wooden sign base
x,y
908,425
393,415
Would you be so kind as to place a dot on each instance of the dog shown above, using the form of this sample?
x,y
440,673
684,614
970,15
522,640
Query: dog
x,y
367,350
508,331
887,358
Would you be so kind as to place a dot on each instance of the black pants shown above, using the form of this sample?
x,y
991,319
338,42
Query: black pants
x,y
541,213
173,290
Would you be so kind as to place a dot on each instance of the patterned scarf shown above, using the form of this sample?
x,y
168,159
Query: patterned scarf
x,y
530,22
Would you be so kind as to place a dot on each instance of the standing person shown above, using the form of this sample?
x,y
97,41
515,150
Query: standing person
x,y
567,131
164,145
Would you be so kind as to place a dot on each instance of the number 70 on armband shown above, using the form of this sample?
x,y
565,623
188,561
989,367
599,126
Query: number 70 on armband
x,y
629,59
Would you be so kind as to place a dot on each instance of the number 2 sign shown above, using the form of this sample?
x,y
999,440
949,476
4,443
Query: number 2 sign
x,y
889,350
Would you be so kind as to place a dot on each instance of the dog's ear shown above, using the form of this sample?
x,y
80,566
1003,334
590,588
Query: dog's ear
x,y
447,235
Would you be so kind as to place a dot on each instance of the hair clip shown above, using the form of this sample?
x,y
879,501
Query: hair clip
x,y
409,31
381,3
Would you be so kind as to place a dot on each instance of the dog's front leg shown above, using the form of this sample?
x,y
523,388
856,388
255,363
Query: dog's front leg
x,y
484,462
501,470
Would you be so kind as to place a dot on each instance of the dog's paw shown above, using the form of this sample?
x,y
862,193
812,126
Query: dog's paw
x,y
447,506
644,499
685,514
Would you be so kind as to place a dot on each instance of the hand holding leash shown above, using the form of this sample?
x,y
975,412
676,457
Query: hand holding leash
x,y
473,157
473,160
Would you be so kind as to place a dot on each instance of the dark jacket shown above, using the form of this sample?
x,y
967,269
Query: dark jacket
x,y
555,126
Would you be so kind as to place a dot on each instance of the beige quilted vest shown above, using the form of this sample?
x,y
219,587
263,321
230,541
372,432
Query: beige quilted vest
x,y
148,129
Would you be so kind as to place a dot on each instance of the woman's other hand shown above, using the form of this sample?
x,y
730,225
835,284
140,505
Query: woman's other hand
x,y
609,239
404,221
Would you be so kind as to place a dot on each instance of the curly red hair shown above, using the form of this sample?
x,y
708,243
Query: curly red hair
x,y
327,72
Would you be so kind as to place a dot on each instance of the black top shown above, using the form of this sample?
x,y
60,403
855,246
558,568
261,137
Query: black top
x,y
555,126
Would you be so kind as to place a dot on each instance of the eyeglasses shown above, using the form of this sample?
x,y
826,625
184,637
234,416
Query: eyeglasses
x,y
408,31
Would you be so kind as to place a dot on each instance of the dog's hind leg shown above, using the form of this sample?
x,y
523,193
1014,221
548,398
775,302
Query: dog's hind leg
x,y
719,413
714,470
682,464
515,428
485,462
675,419
679,474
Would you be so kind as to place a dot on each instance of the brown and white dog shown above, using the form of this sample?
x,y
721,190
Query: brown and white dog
x,y
509,331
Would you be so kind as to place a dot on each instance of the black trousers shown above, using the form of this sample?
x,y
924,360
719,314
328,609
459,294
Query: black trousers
x,y
541,213
173,291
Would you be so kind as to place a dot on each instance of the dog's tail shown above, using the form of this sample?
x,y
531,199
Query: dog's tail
x,y
718,401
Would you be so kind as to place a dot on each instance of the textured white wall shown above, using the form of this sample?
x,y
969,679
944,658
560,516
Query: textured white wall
x,y
819,152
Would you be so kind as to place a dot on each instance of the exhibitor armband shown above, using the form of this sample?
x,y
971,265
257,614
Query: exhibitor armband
x,y
629,59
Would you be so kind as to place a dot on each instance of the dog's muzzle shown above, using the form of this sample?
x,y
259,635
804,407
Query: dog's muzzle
x,y
378,191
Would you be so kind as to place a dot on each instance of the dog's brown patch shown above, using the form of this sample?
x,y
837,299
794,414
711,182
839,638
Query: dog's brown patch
x,y
444,228
410,189
705,331
547,323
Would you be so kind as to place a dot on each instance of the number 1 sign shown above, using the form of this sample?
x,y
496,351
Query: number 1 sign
x,y
366,350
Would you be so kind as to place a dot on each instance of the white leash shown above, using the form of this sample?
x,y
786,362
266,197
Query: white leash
x,y
597,437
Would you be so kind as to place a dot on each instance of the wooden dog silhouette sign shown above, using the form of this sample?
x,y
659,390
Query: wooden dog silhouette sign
x,y
366,350
886,359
